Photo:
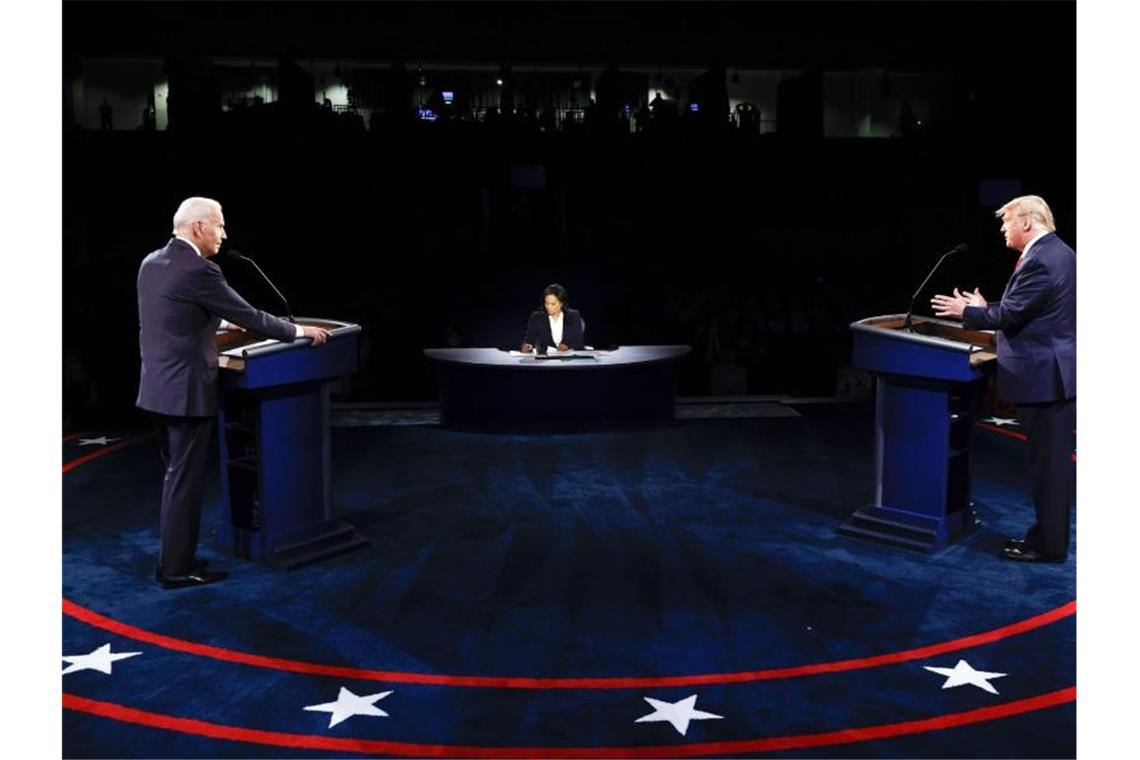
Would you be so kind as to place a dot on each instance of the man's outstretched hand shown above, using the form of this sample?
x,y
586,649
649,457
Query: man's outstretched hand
x,y
953,306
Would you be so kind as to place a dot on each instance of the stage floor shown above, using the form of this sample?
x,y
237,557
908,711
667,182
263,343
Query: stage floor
x,y
538,595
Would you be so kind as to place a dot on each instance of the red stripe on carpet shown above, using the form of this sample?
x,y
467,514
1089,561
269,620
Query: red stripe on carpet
x,y
517,682
1003,431
69,466
409,749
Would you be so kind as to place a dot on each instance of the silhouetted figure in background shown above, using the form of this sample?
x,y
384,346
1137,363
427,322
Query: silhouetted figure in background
x,y
641,118
106,115
591,117
609,94
546,120
148,119
908,124
397,98
708,99
747,118
663,113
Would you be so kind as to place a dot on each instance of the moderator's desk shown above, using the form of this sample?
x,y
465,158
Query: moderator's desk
x,y
490,389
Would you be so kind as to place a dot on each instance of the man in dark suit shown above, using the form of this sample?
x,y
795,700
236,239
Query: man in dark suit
x,y
554,324
183,298
1036,324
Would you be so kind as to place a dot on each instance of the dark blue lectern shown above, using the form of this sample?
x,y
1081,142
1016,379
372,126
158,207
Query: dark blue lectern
x,y
273,429
928,390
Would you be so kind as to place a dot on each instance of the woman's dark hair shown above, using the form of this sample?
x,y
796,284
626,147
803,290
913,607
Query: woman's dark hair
x,y
557,291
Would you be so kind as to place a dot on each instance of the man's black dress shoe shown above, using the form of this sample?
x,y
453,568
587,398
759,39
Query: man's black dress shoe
x,y
1015,543
197,578
1023,554
199,566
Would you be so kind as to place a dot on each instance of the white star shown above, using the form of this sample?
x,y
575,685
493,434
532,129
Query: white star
x,y
1001,421
100,660
348,704
101,440
677,713
962,674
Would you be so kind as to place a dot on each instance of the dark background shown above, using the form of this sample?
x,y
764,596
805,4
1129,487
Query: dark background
x,y
757,249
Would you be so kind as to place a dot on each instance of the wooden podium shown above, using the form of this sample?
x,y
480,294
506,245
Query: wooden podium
x,y
273,430
928,391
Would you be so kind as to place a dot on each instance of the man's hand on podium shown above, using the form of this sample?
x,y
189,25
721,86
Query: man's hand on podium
x,y
318,334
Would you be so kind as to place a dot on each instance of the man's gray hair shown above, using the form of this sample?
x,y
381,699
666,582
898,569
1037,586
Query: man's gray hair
x,y
193,210
1032,206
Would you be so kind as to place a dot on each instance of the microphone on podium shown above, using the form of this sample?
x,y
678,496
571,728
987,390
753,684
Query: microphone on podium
x,y
960,248
233,253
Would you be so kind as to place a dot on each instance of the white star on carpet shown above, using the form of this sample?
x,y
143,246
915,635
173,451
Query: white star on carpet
x,y
962,674
348,704
677,713
1001,421
101,440
100,660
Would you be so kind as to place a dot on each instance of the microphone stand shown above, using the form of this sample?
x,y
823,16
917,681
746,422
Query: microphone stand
x,y
248,260
910,312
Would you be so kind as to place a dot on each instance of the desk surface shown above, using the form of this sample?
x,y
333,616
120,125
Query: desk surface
x,y
577,360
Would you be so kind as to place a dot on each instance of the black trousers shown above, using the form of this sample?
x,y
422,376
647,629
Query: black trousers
x,y
184,443
1052,472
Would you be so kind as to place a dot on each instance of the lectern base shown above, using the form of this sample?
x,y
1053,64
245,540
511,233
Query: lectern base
x,y
908,530
294,550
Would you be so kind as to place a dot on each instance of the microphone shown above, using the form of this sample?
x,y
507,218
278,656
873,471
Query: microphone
x,y
960,248
236,254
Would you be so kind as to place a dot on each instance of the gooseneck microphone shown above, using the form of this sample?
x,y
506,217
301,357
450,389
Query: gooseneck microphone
x,y
960,248
236,254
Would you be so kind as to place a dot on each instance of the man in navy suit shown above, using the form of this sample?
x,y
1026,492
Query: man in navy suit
x,y
183,298
1036,324
554,324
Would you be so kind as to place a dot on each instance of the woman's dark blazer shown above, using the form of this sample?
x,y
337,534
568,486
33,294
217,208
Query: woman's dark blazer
x,y
538,329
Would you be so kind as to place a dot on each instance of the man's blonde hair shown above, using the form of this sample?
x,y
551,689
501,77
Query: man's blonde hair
x,y
1032,206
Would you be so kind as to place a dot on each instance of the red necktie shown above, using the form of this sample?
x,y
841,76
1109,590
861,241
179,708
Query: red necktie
x,y
1018,264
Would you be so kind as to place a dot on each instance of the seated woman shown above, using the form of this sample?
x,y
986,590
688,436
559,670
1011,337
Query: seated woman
x,y
554,324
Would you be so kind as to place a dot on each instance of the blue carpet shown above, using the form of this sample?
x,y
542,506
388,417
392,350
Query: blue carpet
x,y
705,548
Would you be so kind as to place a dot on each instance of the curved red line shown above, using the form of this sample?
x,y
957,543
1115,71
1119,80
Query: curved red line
x,y
69,466
518,682
1014,434
1010,433
410,749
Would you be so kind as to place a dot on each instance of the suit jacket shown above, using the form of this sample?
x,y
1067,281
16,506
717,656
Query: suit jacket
x,y
538,329
182,297
1036,321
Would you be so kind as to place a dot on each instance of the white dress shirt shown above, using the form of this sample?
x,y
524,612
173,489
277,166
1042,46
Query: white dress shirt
x,y
1038,236
556,328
